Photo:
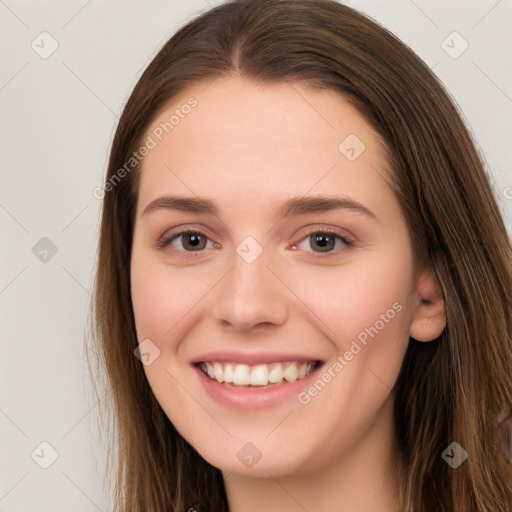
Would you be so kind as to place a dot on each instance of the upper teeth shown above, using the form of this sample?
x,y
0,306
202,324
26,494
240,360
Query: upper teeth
x,y
259,375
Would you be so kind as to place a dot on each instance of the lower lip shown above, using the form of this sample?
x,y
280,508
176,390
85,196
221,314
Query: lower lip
x,y
253,398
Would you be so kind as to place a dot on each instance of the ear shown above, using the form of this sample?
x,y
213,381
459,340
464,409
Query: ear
x,y
429,319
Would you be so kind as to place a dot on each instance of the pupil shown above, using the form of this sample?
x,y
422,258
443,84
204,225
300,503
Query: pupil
x,y
323,240
194,240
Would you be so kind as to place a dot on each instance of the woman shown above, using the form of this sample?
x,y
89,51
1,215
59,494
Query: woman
x,y
300,244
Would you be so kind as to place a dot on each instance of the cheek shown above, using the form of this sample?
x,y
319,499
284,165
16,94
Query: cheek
x,y
151,304
162,296
351,298
363,309
153,310
163,300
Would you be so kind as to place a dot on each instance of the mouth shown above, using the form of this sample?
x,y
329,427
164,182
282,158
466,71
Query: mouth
x,y
260,376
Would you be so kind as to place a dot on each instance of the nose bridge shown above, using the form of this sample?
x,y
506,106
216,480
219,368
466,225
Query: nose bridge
x,y
250,293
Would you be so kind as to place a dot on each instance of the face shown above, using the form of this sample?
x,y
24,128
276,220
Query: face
x,y
269,251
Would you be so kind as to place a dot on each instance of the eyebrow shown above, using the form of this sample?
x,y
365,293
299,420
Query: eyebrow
x,y
292,207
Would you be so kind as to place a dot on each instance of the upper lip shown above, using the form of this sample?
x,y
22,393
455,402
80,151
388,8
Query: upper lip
x,y
251,359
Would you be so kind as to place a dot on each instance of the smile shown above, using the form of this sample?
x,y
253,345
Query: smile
x,y
258,375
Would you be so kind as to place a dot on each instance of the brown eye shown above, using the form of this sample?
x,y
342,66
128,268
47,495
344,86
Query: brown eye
x,y
193,241
184,241
325,241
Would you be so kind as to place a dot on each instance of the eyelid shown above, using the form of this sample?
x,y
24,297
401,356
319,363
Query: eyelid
x,y
168,237
323,228
311,230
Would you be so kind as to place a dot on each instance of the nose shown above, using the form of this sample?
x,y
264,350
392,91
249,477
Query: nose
x,y
250,295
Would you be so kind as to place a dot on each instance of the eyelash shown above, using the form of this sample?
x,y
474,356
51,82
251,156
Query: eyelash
x,y
166,240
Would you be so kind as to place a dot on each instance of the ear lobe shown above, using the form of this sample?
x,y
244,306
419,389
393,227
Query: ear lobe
x,y
429,319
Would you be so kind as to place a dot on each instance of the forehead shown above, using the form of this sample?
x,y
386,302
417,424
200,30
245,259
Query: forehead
x,y
235,135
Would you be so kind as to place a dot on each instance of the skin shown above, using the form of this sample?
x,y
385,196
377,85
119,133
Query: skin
x,y
250,147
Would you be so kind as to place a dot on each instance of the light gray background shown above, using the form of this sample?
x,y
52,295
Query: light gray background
x,y
58,116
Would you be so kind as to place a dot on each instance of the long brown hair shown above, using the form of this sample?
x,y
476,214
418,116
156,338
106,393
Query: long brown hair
x,y
455,389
